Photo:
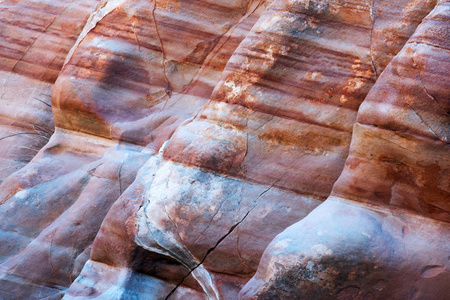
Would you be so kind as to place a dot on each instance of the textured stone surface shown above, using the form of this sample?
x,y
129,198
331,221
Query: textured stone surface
x,y
35,37
196,142
343,250
380,234
114,104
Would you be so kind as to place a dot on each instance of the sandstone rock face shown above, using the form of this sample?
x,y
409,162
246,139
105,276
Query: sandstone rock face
x,y
125,86
206,149
382,233
35,37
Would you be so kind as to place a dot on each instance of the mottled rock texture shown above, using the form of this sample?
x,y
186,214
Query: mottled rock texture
x,y
244,149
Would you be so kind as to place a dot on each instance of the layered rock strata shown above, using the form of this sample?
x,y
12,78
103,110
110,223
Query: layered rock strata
x,y
35,37
383,232
125,87
199,216
194,136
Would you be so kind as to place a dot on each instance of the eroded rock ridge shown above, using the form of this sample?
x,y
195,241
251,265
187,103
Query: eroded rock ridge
x,y
245,149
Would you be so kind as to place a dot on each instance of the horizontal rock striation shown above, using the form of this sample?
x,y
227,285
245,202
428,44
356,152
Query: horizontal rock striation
x,y
35,38
125,56
198,149
382,233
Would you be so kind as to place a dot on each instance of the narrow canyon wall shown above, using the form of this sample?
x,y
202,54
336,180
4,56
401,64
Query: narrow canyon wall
x,y
245,149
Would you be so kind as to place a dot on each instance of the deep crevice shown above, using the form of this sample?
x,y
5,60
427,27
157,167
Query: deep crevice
x,y
372,16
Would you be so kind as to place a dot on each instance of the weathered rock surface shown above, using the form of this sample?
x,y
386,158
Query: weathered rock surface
x,y
191,137
383,233
35,37
114,104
